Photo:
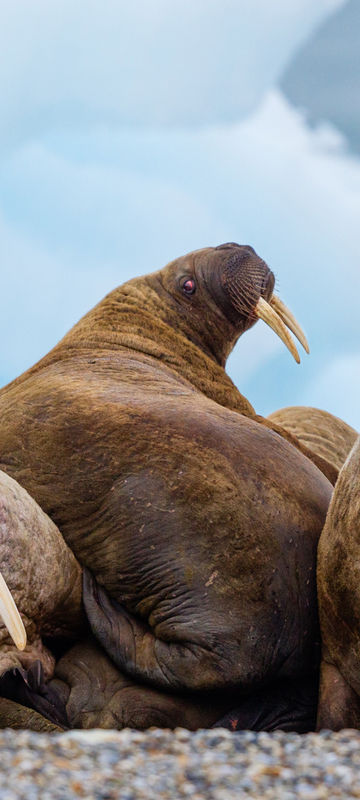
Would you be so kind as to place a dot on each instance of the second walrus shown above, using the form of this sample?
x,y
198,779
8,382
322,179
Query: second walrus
x,y
197,522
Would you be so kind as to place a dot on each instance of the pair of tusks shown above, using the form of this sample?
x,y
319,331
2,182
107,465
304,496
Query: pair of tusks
x,y
11,616
277,316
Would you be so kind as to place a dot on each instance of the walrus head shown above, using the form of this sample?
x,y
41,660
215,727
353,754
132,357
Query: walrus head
x,y
232,287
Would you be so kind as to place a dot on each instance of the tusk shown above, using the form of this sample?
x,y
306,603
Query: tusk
x,y
11,616
285,314
264,311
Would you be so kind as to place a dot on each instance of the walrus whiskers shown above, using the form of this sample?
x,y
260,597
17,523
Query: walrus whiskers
x,y
285,314
11,616
264,311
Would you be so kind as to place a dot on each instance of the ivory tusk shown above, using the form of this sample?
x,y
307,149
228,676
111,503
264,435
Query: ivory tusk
x,y
11,616
264,311
285,314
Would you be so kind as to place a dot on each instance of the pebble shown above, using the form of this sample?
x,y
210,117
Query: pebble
x,y
167,765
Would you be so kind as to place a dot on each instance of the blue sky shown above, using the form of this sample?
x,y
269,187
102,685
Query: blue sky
x,y
131,133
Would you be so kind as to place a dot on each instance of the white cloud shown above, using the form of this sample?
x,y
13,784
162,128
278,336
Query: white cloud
x,y
152,62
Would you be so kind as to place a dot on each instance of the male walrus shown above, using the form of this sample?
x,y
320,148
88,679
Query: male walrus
x,y
197,524
339,602
323,433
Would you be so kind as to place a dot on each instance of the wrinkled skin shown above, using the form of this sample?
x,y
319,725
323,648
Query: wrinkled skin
x,y
339,602
198,522
327,435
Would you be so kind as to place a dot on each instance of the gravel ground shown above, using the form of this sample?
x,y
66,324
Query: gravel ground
x,y
216,765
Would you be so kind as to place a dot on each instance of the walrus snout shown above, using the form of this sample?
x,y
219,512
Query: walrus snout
x,y
247,286
239,279
245,277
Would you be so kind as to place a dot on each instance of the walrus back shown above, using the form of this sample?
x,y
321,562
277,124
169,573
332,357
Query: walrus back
x,y
323,433
157,488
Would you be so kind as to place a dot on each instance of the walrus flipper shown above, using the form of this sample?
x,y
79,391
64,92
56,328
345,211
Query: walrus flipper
x,y
14,715
98,695
136,650
27,688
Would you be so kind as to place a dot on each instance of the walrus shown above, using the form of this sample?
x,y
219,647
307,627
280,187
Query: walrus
x,y
196,522
323,433
41,579
339,602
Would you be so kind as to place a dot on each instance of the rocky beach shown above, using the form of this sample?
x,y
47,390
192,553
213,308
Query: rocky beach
x,y
212,764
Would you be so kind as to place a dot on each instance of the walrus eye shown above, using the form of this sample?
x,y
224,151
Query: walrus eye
x,y
189,286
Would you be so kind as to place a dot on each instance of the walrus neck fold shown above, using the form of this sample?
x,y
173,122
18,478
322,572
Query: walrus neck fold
x,y
125,319
157,335
209,331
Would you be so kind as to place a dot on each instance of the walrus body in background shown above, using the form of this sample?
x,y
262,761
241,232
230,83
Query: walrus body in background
x,y
323,433
339,602
197,524
46,584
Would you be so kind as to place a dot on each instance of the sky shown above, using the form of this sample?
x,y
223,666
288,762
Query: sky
x,y
133,132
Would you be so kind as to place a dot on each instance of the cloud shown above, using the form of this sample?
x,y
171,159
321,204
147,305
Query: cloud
x,y
142,62
42,296
101,211
70,233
